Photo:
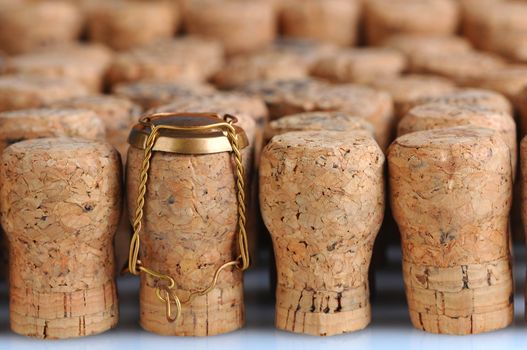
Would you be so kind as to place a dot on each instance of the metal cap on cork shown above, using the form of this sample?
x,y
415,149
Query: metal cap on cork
x,y
187,133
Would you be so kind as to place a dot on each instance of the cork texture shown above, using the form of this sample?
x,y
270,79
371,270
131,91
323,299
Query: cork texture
x,y
308,50
416,46
523,188
241,26
384,18
269,65
463,68
359,65
438,116
150,94
508,81
59,22
318,121
184,59
407,88
19,92
86,64
60,203
521,103
16,126
451,193
117,113
189,230
322,199
287,97
332,21
123,25
467,96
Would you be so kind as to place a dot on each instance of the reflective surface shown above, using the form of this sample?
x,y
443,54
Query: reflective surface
x,y
390,328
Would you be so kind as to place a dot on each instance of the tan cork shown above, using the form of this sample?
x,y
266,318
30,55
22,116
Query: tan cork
x,y
287,97
241,26
521,102
408,88
442,115
183,59
308,50
464,68
451,194
359,65
16,126
86,64
189,230
58,22
269,65
523,185
415,46
475,25
332,21
318,121
20,92
60,204
151,94
322,200
122,25
384,18
508,81
466,96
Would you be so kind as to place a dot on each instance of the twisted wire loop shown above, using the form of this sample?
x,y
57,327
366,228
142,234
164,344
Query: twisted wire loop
x,y
165,283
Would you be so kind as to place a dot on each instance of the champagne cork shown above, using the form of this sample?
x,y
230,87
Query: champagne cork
x,y
322,199
16,126
241,70
151,94
241,26
460,97
86,64
359,65
60,204
287,97
117,113
27,26
475,21
308,50
318,121
384,18
19,92
126,24
184,59
442,115
332,21
408,88
463,68
188,231
508,81
415,46
451,193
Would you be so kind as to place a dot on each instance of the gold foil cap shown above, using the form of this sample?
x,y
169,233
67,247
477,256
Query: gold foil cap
x,y
187,133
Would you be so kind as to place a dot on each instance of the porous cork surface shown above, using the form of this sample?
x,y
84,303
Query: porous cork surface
x,y
86,64
184,59
241,26
415,46
150,94
189,230
286,97
307,50
322,199
333,21
467,96
318,121
58,22
60,204
442,115
19,92
359,65
508,81
126,24
411,87
16,126
261,66
464,68
118,114
384,18
451,193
